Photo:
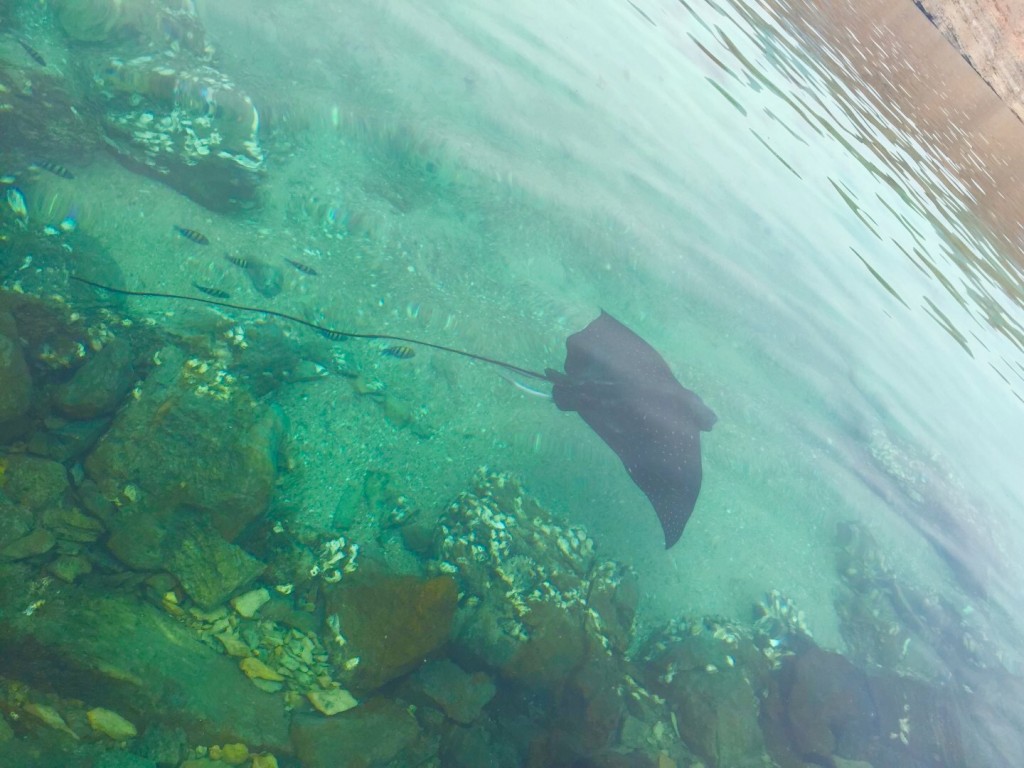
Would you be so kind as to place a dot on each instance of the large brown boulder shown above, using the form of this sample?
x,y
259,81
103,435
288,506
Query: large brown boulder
x,y
194,439
99,386
391,624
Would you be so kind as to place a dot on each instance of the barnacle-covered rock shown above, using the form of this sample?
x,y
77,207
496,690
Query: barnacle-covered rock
x,y
163,448
709,672
888,621
186,124
536,601
92,20
169,21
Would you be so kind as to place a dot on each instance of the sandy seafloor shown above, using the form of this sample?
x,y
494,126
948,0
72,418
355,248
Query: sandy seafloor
x,y
514,170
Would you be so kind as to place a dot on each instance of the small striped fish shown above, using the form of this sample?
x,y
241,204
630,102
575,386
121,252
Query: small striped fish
x,y
334,335
55,168
399,351
238,261
217,293
37,57
304,268
194,235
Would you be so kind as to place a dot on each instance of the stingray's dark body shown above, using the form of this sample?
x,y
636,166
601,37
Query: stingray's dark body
x,y
627,394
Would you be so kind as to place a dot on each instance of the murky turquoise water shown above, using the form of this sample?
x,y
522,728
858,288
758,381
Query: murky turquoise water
x,y
749,187
807,258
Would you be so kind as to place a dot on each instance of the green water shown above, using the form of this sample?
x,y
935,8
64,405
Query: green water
x,y
524,167
490,176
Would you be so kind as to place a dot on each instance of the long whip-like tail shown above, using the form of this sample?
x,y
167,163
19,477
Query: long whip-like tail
x,y
330,333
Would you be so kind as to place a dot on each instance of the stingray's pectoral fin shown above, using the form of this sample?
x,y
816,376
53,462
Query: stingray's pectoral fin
x,y
671,480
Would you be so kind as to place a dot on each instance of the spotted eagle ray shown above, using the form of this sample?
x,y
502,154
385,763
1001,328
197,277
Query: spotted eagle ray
x,y
617,382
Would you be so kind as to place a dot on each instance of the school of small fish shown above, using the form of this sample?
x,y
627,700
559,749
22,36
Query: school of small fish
x,y
266,278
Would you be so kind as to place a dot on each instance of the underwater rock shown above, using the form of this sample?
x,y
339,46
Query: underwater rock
x,y
65,442
829,704
888,621
163,745
92,21
232,754
255,669
477,747
333,701
54,339
266,279
37,542
15,520
832,708
116,651
209,568
388,624
69,568
710,673
137,538
460,695
33,482
165,447
380,734
100,385
111,724
248,603
185,124
15,379
6,733
528,581
69,524
613,597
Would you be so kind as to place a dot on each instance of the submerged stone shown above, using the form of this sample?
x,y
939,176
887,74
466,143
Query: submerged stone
x,y
67,441
69,567
15,520
15,379
123,760
99,386
33,482
543,604
208,567
119,652
111,724
162,744
71,524
190,441
91,20
248,603
333,701
38,542
381,734
459,694
389,625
